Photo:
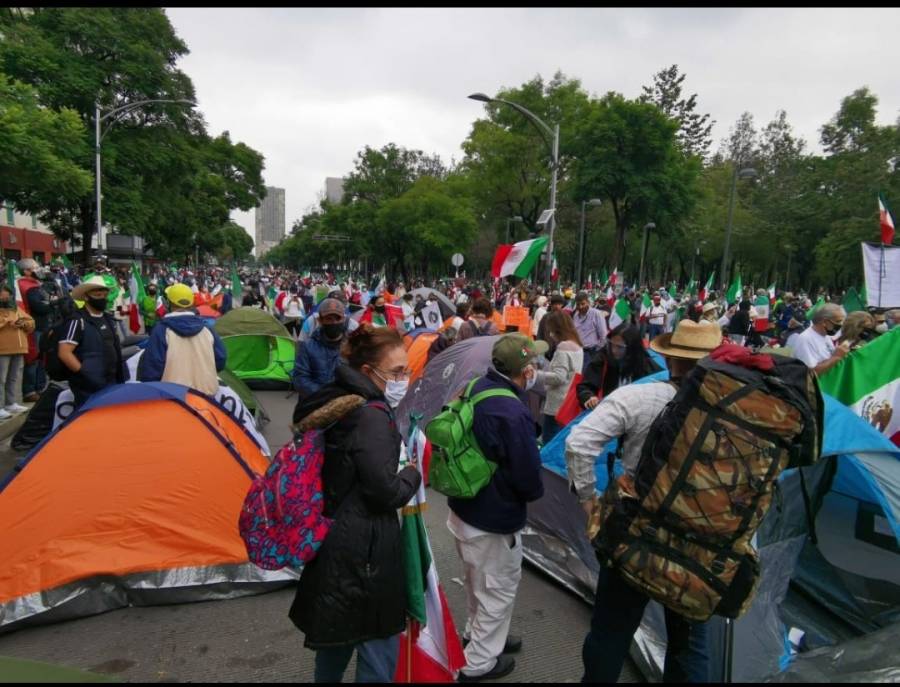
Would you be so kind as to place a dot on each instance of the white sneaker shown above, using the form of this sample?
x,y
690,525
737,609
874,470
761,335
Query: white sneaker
x,y
15,408
4,415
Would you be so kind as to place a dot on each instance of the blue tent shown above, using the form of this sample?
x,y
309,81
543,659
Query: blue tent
x,y
815,591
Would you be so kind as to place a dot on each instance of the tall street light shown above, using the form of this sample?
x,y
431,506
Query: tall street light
x,y
746,173
117,114
647,227
517,218
544,129
593,202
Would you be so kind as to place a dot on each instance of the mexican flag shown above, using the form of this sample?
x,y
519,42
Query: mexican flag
x,y
771,291
614,277
12,280
812,310
646,304
430,650
137,294
554,272
237,289
868,380
734,291
620,313
706,290
517,259
762,313
852,302
887,221
692,287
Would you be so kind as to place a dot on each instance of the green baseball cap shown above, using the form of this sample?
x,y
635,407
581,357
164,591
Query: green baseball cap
x,y
513,352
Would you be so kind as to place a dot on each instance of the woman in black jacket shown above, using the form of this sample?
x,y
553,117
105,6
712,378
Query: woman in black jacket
x,y
352,594
621,361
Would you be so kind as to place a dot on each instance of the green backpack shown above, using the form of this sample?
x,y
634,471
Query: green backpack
x,y
458,467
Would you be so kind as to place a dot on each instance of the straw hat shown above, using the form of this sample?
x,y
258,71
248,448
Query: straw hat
x,y
691,340
709,307
95,282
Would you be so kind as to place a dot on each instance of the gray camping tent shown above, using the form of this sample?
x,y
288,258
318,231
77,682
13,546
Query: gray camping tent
x,y
816,591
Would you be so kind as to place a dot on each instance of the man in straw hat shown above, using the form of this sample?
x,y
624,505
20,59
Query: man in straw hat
x,y
628,412
89,346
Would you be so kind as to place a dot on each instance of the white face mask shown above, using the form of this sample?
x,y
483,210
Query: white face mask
x,y
395,391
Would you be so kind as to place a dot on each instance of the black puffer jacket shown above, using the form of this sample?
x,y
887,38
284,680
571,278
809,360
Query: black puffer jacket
x,y
354,589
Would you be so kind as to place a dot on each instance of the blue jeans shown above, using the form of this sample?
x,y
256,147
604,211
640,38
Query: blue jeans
x,y
618,610
376,661
655,330
551,428
34,378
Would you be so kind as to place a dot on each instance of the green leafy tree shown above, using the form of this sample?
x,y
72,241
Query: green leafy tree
x,y
629,155
38,149
164,177
694,129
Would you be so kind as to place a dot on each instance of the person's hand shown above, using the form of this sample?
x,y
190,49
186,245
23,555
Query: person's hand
x,y
592,403
588,508
841,351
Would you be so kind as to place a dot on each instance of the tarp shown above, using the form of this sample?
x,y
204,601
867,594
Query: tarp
x,y
132,501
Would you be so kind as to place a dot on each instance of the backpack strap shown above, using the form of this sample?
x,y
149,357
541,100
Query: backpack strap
x,y
492,393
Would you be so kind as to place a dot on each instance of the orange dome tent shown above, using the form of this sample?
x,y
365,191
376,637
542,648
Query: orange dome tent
x,y
133,501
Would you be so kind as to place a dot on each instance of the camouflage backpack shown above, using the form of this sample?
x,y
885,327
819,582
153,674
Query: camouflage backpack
x,y
681,531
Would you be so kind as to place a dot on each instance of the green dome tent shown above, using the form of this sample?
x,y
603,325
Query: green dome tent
x,y
260,350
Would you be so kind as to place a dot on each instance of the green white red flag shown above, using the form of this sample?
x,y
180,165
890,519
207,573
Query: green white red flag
x,y
887,221
12,279
517,259
706,290
430,650
620,313
136,294
868,380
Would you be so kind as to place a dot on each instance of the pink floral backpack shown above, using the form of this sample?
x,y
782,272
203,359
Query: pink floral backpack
x,y
282,521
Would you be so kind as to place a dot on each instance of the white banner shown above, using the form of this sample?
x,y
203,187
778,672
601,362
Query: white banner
x,y
882,275
431,313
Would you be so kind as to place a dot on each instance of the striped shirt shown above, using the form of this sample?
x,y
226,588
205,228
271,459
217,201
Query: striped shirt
x,y
629,411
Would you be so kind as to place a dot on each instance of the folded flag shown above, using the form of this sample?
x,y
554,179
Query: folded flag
x,y
430,650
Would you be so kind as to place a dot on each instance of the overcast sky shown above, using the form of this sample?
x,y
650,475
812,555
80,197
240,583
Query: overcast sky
x,y
308,88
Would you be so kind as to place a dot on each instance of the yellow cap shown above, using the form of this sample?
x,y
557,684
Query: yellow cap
x,y
180,295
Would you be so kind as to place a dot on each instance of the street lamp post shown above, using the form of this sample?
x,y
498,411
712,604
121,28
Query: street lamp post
x,y
746,173
517,218
647,227
593,202
98,137
544,129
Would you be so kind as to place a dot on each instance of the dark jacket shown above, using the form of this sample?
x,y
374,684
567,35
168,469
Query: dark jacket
x,y
604,372
354,589
506,434
315,363
153,362
91,353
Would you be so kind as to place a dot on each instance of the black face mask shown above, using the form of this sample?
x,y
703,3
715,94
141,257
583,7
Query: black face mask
x,y
97,303
152,292
333,331
379,308
7,304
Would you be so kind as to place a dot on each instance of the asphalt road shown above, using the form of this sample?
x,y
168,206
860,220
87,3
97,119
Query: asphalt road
x,y
252,640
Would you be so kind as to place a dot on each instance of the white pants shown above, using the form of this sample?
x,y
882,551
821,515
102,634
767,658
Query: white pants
x,y
493,569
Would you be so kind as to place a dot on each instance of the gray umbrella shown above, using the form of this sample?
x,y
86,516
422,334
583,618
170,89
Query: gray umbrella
x,y
445,304
444,377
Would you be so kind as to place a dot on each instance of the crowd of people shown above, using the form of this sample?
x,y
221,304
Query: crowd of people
x,y
580,346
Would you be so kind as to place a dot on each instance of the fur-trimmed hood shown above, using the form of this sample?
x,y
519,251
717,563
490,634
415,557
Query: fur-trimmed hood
x,y
350,390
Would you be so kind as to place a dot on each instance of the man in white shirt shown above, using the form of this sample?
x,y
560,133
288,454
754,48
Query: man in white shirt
x,y
815,346
656,317
628,412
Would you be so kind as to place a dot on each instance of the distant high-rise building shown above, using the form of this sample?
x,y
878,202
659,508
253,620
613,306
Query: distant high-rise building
x,y
334,189
270,220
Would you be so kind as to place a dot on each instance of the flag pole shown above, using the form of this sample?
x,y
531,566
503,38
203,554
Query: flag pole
x,y
408,650
880,274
